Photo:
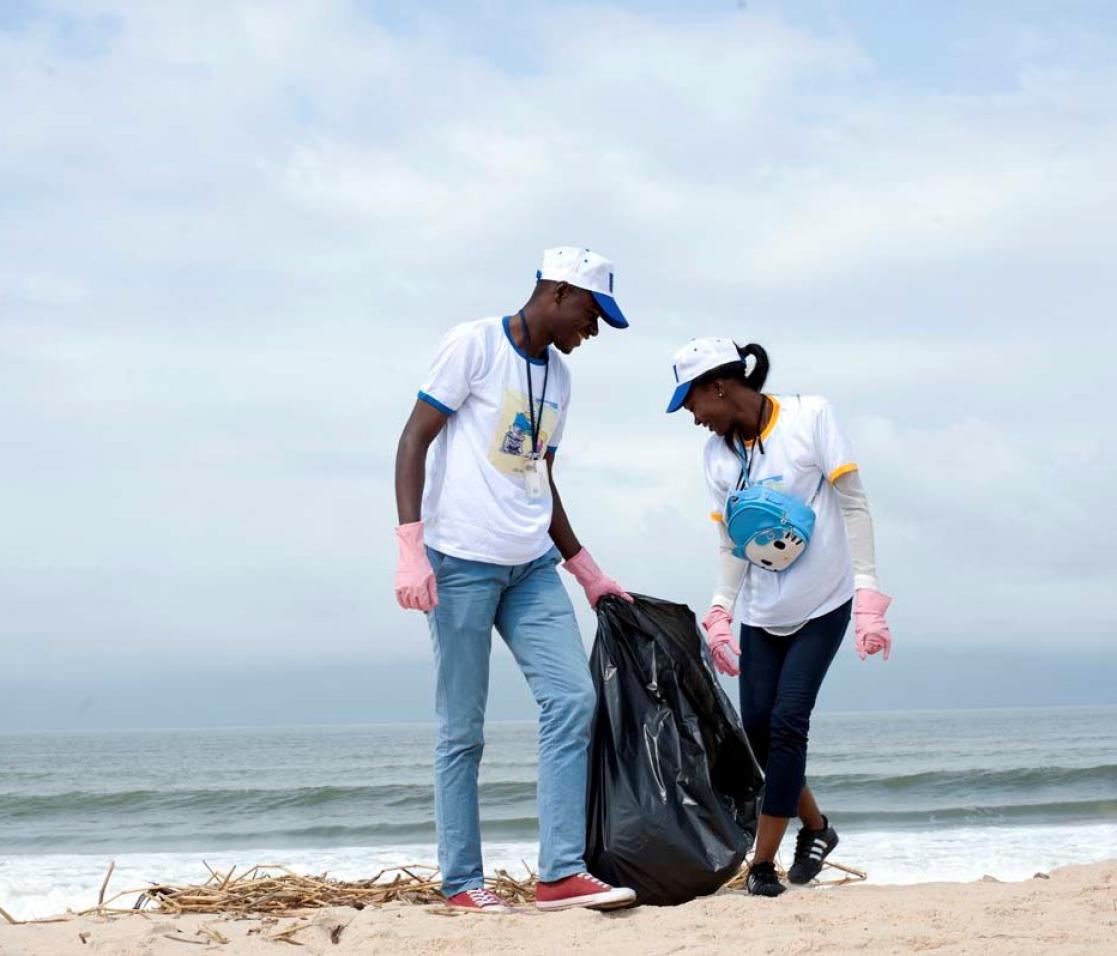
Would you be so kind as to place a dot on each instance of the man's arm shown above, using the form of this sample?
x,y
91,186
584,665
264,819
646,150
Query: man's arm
x,y
421,429
416,587
579,562
561,532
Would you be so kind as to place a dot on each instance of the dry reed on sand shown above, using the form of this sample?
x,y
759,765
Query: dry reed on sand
x,y
270,890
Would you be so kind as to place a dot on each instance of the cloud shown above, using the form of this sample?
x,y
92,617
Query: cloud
x,y
234,233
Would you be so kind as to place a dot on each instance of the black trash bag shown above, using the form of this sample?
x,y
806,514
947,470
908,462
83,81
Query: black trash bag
x,y
673,782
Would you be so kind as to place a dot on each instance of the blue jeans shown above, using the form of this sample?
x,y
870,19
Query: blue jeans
x,y
532,612
780,679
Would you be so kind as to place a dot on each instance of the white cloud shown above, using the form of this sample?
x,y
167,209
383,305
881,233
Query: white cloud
x,y
234,234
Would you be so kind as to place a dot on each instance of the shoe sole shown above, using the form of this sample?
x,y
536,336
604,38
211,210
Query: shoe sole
x,y
595,901
769,896
482,911
820,863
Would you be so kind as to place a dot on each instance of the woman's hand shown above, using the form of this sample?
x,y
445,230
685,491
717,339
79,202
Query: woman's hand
x,y
869,625
719,636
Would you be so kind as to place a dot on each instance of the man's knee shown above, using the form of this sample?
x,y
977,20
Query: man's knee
x,y
461,739
572,706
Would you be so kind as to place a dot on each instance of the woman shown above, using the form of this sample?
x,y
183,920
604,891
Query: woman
x,y
789,586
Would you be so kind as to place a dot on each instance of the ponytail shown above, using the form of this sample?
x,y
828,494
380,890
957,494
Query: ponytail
x,y
759,374
739,371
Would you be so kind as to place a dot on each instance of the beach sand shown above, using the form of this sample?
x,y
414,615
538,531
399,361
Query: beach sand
x,y
1074,910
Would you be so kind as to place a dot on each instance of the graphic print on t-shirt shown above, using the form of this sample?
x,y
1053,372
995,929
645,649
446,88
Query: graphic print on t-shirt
x,y
510,449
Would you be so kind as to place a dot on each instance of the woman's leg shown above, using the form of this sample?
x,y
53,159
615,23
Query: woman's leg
x,y
808,658
770,832
762,659
769,836
808,810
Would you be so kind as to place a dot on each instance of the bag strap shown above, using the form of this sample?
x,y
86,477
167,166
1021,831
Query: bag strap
x,y
745,456
746,464
817,492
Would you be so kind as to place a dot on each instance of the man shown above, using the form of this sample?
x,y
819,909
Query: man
x,y
481,530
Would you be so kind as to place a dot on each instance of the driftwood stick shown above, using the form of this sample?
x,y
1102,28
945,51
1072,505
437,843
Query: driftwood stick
x,y
278,892
228,876
105,883
860,874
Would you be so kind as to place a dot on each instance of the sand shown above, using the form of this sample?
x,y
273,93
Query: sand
x,y
1073,910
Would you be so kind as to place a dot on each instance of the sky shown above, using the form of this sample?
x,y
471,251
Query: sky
x,y
232,235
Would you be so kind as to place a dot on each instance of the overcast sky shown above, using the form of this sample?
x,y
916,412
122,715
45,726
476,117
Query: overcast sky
x,y
232,234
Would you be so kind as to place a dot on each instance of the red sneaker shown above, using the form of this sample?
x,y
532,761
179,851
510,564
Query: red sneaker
x,y
479,901
582,890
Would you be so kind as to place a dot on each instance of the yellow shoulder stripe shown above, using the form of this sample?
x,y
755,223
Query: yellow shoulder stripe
x,y
772,419
843,470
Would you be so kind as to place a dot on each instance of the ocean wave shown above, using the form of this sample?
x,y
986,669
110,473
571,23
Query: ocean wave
x,y
248,800
404,812
962,790
972,781
1063,811
188,837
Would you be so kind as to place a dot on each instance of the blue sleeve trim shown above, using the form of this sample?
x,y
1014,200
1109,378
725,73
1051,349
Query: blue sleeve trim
x,y
551,449
435,403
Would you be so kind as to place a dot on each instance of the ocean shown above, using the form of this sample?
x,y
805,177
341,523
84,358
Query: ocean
x,y
950,795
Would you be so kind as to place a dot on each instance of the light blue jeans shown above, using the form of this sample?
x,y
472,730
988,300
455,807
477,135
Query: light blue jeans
x,y
532,612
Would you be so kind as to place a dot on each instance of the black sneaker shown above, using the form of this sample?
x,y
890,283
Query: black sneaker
x,y
763,881
811,848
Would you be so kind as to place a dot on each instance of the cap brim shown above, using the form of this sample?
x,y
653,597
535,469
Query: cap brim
x,y
679,397
610,311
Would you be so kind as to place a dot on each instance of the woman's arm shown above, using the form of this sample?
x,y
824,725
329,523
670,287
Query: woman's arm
x,y
869,603
859,529
718,621
730,574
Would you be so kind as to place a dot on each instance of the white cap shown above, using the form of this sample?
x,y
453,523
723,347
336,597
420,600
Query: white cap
x,y
586,270
694,360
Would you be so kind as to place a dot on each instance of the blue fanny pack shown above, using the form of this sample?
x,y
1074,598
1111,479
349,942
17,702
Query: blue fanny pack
x,y
768,528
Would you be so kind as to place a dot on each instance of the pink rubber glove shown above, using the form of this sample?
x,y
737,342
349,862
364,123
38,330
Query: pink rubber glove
x,y
596,583
416,589
869,624
719,637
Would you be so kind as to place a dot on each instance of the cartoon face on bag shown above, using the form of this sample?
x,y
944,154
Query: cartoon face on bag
x,y
768,527
775,548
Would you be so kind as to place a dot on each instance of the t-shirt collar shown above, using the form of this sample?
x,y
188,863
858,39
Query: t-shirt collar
x,y
507,323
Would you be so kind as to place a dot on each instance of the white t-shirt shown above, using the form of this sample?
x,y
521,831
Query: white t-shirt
x,y
805,452
475,503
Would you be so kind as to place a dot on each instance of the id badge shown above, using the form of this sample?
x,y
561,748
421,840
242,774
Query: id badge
x,y
536,475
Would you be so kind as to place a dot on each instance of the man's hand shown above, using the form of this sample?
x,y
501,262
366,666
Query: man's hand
x,y
595,582
416,587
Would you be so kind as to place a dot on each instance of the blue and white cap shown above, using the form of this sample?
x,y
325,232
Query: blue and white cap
x,y
586,270
694,360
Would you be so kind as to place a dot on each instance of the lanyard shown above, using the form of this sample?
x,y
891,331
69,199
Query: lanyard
x,y
746,458
746,465
536,426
